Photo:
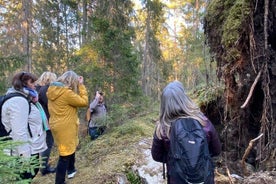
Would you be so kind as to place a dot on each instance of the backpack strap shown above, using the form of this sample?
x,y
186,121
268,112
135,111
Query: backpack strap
x,y
164,177
29,128
10,95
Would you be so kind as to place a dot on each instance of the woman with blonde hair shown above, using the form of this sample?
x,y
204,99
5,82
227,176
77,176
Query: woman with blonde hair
x,y
64,97
42,85
179,119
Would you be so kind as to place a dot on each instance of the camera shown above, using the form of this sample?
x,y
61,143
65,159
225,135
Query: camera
x,y
100,92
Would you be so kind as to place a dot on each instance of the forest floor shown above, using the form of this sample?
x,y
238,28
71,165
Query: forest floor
x,y
118,155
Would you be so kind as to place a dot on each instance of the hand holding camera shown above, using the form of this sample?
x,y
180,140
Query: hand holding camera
x,y
98,94
81,79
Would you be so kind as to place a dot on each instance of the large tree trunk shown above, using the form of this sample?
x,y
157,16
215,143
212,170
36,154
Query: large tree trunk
x,y
250,78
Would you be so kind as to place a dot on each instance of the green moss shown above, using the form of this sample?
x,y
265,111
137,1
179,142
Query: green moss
x,y
214,13
232,54
133,178
234,23
225,22
206,94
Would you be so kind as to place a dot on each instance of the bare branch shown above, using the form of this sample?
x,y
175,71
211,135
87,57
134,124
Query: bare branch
x,y
247,151
229,175
265,23
251,90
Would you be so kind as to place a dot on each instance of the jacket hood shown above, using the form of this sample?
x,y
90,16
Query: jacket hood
x,y
12,90
55,90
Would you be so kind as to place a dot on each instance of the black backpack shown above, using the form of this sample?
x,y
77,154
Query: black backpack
x,y
189,156
4,98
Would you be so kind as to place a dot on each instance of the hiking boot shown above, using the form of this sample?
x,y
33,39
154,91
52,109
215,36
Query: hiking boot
x,y
71,174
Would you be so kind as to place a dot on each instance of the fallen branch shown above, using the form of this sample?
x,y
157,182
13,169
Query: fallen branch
x,y
246,153
217,172
251,90
266,6
229,175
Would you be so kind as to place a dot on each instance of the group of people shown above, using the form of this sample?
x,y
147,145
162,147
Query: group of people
x,y
54,105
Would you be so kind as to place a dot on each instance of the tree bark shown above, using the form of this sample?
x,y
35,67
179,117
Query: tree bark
x,y
26,26
250,78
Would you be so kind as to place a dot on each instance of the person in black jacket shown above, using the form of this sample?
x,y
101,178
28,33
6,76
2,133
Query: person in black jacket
x,y
42,85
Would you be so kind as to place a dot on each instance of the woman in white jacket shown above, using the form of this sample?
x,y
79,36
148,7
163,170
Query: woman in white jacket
x,y
25,119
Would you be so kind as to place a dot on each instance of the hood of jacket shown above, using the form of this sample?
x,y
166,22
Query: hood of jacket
x,y
55,90
23,92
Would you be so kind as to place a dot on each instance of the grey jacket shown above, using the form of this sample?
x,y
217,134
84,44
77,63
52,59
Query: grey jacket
x,y
98,113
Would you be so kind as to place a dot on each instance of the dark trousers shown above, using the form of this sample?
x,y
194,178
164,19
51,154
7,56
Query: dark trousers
x,y
65,163
96,131
46,154
29,175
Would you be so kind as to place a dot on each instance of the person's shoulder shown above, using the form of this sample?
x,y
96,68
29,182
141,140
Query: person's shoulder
x,y
18,101
208,123
38,87
209,127
16,94
44,88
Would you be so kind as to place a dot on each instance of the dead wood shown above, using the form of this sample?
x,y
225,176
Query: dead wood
x,y
265,23
218,173
251,90
229,175
246,153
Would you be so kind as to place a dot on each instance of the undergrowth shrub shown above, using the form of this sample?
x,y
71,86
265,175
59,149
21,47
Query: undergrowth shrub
x,y
133,178
12,166
119,113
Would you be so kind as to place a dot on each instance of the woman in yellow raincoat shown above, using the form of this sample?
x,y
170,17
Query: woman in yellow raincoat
x,y
64,97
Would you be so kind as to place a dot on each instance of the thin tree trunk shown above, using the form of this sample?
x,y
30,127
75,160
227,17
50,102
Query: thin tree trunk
x,y
66,34
84,22
26,26
146,61
205,65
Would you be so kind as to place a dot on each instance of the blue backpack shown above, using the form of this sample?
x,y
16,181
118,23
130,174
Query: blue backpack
x,y
3,131
189,156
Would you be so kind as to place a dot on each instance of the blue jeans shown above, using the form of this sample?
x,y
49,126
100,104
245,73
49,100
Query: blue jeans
x,y
46,154
95,132
65,163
